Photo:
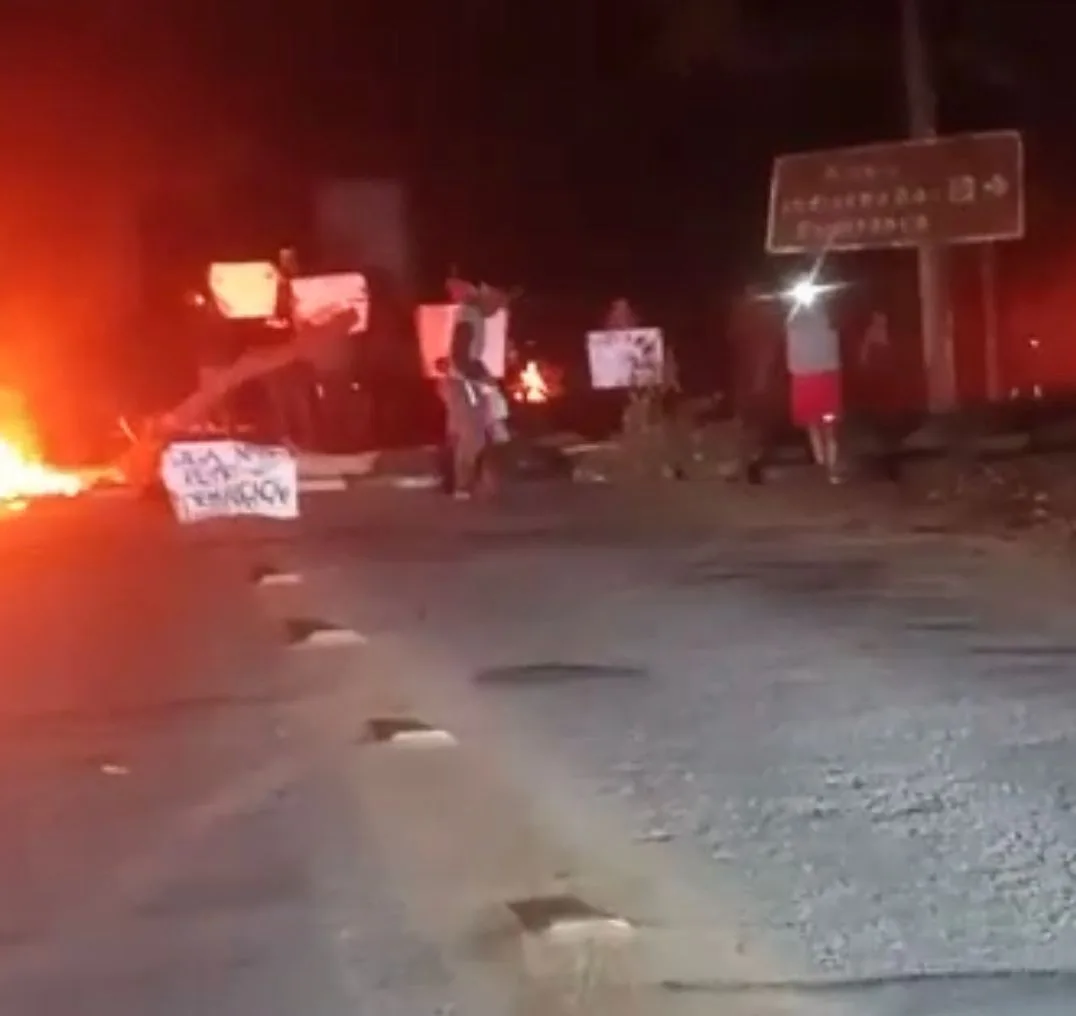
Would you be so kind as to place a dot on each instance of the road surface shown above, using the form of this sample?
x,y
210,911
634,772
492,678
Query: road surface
x,y
841,763
787,770
173,840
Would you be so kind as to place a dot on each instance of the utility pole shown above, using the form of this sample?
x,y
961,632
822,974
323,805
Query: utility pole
x,y
988,285
938,359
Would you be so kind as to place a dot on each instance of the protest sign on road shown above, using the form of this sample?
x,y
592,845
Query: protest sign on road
x,y
223,479
625,357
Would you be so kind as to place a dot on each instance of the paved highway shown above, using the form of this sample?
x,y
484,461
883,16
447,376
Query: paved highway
x,y
844,763
816,773
173,841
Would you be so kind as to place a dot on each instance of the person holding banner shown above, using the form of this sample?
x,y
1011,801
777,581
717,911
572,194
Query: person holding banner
x,y
757,381
476,411
621,315
289,389
814,367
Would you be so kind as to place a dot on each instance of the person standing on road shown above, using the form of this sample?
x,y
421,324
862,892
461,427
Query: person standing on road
x,y
473,402
756,380
459,291
219,345
289,389
676,422
621,315
327,347
812,347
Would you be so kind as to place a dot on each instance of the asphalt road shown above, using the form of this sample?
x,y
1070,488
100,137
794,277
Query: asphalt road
x,y
843,763
175,838
818,773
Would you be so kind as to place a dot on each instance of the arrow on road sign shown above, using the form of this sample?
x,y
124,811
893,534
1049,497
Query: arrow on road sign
x,y
997,186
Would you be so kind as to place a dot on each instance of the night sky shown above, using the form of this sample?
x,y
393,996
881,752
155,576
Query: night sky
x,y
557,143
583,147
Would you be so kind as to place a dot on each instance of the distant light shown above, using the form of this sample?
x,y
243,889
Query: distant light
x,y
804,292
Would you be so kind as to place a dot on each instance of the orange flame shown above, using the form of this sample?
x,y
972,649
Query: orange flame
x,y
531,386
23,473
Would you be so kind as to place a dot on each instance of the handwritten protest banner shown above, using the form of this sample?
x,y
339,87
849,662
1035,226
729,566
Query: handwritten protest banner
x,y
320,297
244,289
625,357
223,479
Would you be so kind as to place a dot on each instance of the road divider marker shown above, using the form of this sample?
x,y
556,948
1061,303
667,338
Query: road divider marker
x,y
321,484
407,733
568,920
303,633
263,575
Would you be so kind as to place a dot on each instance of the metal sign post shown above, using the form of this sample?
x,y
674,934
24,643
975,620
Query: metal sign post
x,y
939,358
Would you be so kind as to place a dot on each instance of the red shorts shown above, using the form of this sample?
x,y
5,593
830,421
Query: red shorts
x,y
816,397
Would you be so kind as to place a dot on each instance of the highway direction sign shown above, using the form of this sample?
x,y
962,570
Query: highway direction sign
x,y
965,188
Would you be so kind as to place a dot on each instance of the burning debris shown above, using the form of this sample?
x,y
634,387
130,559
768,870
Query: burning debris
x,y
531,385
24,475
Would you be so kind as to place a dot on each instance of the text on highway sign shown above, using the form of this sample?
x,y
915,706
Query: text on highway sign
x,y
965,188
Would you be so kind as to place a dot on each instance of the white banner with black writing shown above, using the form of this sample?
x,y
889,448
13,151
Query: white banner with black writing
x,y
625,357
319,298
224,479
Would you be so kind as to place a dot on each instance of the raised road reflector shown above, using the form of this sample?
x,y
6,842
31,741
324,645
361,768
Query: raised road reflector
x,y
321,484
310,634
567,919
407,733
263,575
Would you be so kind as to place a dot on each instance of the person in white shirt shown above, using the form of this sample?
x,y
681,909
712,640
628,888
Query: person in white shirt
x,y
812,349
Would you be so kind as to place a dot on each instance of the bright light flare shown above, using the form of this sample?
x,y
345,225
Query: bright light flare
x,y
806,291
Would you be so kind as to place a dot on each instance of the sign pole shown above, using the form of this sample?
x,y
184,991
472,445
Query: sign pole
x,y
938,357
989,285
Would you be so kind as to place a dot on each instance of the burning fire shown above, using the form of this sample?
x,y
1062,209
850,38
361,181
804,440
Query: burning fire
x,y
531,386
23,473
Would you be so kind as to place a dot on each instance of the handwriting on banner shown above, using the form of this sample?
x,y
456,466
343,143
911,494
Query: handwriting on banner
x,y
321,297
626,357
223,479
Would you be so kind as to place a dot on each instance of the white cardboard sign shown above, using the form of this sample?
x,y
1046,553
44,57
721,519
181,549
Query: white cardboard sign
x,y
224,479
244,290
625,357
320,297
434,323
